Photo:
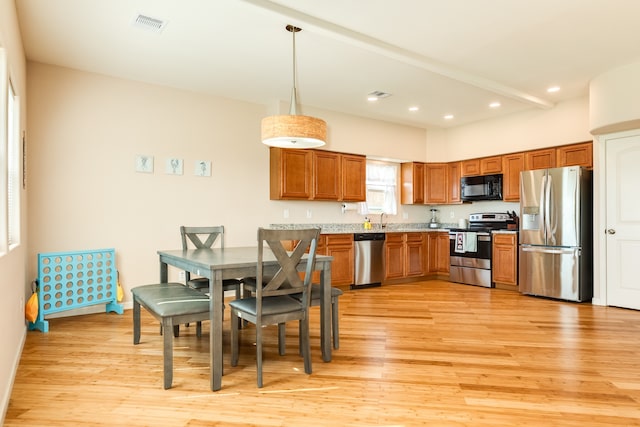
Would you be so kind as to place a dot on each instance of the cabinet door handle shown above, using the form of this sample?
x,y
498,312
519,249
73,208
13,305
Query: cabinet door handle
x,y
611,231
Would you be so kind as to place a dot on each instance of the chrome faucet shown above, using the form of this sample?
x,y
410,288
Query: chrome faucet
x,y
382,224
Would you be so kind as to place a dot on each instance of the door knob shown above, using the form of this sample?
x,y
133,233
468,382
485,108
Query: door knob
x,y
611,231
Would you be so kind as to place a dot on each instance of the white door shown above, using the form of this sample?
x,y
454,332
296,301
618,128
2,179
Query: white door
x,y
623,221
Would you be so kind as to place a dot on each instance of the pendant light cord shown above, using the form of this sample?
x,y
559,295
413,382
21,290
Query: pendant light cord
x,y
293,107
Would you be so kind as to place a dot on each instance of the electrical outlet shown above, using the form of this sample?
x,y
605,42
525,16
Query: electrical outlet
x,y
453,214
181,276
405,215
285,213
309,213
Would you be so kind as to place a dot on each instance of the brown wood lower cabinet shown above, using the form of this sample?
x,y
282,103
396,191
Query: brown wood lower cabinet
x,y
340,247
415,250
394,256
438,252
504,270
416,254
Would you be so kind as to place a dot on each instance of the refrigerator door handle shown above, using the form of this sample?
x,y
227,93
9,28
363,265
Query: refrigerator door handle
x,y
551,222
543,207
548,250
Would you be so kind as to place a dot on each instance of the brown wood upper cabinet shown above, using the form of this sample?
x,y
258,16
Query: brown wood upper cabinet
x,y
482,166
316,175
454,183
412,177
540,159
354,178
290,174
430,183
575,155
512,165
470,167
436,179
490,165
327,175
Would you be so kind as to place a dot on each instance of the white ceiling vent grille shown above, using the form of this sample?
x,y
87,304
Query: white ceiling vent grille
x,y
149,23
379,94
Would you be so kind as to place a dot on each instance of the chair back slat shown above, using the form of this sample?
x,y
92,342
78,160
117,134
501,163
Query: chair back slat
x,y
287,279
201,237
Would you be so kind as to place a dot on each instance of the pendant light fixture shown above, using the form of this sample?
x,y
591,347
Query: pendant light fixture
x,y
293,130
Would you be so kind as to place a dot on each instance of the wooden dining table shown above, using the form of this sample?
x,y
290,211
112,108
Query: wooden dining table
x,y
227,263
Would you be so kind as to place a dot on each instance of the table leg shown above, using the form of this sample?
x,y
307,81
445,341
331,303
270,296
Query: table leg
x,y
325,311
215,337
164,275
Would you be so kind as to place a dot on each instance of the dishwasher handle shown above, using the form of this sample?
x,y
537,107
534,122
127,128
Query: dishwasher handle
x,y
359,237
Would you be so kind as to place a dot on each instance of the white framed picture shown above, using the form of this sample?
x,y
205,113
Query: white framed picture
x,y
173,166
202,168
144,163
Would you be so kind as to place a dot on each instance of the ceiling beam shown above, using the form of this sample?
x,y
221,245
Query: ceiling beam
x,y
388,50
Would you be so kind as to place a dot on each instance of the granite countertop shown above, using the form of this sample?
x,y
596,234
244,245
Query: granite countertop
x,y
359,228
335,228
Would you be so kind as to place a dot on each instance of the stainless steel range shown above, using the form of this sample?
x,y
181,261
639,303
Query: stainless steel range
x,y
470,248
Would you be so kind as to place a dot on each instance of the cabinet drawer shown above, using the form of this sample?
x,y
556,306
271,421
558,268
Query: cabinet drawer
x,y
339,239
504,238
415,237
394,238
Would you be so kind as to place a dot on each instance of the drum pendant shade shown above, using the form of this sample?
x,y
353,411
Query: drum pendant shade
x,y
293,130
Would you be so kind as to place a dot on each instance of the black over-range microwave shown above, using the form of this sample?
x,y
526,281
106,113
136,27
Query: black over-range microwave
x,y
485,187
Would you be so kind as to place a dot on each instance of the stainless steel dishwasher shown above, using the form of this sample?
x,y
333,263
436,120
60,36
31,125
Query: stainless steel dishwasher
x,y
369,259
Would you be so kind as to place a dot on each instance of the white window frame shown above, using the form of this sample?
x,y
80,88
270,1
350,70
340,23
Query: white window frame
x,y
382,188
13,166
4,160
10,194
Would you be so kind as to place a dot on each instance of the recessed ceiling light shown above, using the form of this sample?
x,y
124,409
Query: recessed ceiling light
x,y
414,108
372,98
448,117
553,89
494,104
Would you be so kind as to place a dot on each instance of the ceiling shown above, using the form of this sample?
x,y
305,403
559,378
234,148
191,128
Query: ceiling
x,y
444,57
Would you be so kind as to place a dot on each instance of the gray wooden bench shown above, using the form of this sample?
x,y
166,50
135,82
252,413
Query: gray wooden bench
x,y
171,304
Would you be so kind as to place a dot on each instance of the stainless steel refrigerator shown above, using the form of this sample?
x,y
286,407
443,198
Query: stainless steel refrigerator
x,y
556,233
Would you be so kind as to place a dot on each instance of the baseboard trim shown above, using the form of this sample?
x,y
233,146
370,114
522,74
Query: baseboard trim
x,y
14,370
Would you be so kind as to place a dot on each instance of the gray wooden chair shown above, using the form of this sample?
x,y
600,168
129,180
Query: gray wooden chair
x,y
171,304
204,238
273,303
316,297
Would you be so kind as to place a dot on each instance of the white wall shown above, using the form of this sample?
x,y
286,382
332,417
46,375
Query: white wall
x,y
12,264
566,123
86,129
614,102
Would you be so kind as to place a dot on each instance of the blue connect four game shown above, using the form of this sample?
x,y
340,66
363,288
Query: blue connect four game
x,y
71,280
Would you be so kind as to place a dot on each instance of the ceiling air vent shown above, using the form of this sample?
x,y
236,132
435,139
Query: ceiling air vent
x,y
379,94
149,23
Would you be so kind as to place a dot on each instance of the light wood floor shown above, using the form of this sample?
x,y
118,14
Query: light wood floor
x,y
432,353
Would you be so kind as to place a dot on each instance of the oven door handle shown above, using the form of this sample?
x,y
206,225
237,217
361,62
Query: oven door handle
x,y
482,237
